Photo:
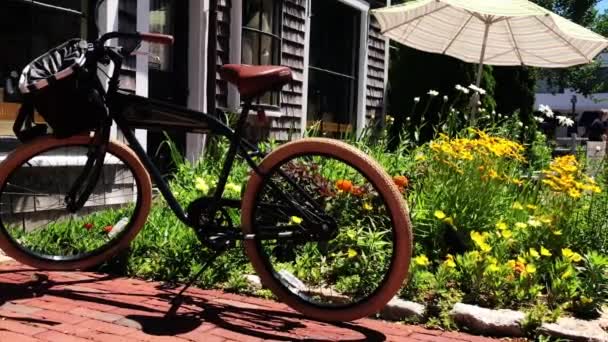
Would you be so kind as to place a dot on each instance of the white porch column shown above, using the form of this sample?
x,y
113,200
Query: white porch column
x,y
304,117
198,36
141,76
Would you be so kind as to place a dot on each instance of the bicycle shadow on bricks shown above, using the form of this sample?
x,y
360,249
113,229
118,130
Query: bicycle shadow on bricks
x,y
237,322
20,285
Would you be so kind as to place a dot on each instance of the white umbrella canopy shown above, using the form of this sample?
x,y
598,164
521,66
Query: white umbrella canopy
x,y
494,32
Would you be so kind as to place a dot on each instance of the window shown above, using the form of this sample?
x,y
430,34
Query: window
x,y
261,40
333,69
31,28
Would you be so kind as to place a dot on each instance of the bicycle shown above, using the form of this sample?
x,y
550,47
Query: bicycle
x,y
314,204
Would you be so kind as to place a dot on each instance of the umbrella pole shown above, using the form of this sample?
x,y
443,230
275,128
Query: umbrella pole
x,y
475,99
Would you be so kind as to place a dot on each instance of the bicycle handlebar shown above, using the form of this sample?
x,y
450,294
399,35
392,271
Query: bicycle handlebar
x,y
147,37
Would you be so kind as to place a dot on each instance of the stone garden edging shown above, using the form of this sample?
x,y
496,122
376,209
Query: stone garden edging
x,y
503,323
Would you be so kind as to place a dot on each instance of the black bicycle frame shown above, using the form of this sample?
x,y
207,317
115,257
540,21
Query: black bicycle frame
x,y
132,112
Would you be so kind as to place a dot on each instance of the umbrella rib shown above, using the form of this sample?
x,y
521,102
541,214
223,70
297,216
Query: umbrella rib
x,y
457,34
413,19
564,39
521,61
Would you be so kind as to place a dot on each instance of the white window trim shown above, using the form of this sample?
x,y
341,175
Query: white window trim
x,y
141,76
198,37
387,62
236,35
357,4
362,93
304,116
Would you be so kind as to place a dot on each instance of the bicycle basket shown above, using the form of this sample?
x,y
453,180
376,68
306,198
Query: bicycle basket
x,y
62,89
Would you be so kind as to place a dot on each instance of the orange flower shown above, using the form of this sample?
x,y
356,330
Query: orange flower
x,y
401,181
344,185
520,267
108,229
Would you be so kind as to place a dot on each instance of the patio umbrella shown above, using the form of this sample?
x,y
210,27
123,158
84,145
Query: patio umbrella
x,y
493,32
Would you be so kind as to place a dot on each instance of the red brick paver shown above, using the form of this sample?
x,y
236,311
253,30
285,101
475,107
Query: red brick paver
x,y
79,306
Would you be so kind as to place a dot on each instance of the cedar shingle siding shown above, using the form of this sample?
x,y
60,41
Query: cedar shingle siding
x,y
292,55
376,63
223,50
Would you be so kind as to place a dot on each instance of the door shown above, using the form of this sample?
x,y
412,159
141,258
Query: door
x,y
168,74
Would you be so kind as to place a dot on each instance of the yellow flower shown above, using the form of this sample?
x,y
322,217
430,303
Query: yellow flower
x,y
534,223
530,268
507,234
480,240
576,257
557,232
501,225
485,247
531,207
517,206
493,174
419,157
440,214
295,220
586,300
565,176
233,188
573,256
544,251
545,219
521,225
367,206
574,193
422,260
534,253
352,253
201,185
511,263
566,274
449,261
517,182
492,268
449,221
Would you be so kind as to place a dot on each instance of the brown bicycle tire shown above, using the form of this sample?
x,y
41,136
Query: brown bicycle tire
x,y
40,145
393,199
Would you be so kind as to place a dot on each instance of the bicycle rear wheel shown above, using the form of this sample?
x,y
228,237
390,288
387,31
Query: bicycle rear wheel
x,y
360,261
37,229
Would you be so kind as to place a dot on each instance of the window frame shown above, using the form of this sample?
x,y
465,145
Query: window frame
x,y
275,38
237,32
8,110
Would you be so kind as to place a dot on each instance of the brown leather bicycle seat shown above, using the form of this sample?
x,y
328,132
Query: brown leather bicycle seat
x,y
254,80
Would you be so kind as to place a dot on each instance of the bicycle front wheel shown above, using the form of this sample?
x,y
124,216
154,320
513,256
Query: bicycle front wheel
x,y
37,229
353,264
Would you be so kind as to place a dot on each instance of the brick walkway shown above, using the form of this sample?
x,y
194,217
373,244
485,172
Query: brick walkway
x,y
72,307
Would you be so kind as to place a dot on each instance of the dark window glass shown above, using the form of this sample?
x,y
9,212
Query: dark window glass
x,y
333,69
162,14
261,40
27,30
